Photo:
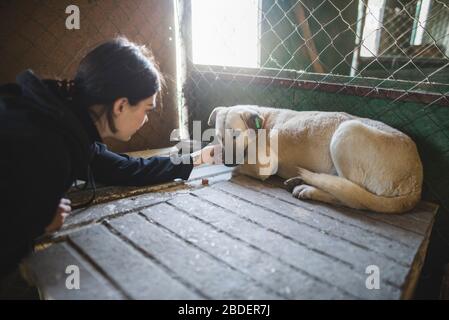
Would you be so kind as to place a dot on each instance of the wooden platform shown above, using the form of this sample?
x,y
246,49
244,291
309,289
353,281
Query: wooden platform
x,y
236,238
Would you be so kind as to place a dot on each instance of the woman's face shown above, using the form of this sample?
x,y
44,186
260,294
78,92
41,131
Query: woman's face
x,y
130,118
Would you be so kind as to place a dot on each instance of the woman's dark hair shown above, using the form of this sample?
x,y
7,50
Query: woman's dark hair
x,y
115,69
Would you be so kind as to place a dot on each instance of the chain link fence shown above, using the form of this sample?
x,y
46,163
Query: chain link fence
x,y
382,59
388,40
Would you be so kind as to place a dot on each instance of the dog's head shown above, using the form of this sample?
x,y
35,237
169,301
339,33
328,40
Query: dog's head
x,y
235,129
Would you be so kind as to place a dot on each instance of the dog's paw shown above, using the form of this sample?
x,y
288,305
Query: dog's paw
x,y
292,183
302,191
303,173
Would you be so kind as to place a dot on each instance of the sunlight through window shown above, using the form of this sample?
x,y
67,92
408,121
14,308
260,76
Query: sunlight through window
x,y
226,32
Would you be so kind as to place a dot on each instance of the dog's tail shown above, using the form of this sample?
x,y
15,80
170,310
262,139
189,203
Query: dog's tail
x,y
355,196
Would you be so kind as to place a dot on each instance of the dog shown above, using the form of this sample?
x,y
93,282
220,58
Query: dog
x,y
332,157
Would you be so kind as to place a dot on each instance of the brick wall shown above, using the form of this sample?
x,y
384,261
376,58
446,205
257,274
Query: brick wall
x,y
33,35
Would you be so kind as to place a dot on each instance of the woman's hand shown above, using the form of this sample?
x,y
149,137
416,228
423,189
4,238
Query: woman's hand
x,y
207,155
62,212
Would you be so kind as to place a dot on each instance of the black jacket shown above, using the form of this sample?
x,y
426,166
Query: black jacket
x,y
46,143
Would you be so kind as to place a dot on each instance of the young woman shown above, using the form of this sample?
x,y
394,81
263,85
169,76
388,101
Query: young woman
x,y
51,133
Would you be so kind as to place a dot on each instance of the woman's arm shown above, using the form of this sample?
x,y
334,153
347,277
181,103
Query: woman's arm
x,y
120,169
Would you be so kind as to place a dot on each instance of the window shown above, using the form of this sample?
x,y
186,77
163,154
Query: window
x,y
226,32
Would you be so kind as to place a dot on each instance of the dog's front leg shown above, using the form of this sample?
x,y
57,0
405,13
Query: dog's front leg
x,y
300,190
292,183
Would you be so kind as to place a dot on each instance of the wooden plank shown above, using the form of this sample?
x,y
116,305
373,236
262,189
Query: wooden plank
x,y
130,202
405,221
138,276
238,240
107,193
319,266
98,212
198,183
408,289
414,257
208,170
256,264
127,203
345,215
213,278
47,270
428,206
360,237
355,256
110,193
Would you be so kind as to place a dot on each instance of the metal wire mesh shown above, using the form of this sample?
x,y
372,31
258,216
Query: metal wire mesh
x,y
382,59
323,37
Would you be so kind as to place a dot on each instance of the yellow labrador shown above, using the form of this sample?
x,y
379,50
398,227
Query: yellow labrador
x,y
332,157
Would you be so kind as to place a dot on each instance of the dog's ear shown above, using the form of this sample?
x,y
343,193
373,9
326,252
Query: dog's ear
x,y
253,120
213,116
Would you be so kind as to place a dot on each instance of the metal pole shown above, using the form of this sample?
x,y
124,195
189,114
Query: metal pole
x,y
361,14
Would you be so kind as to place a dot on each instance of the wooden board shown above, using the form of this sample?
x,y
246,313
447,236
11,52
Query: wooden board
x,y
235,238
49,273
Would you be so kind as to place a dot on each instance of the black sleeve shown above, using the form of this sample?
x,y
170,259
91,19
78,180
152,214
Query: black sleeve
x,y
33,176
120,169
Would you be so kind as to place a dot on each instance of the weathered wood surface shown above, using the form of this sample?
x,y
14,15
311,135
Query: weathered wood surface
x,y
235,238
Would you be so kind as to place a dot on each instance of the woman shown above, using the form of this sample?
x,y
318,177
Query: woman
x,y
51,133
